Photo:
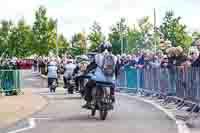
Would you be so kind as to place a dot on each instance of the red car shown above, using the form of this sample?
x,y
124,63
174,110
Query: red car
x,y
25,63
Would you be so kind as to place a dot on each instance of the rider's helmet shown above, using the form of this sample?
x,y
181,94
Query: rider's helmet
x,y
69,61
106,46
52,63
83,58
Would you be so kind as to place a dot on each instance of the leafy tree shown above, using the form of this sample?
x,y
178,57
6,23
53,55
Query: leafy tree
x,y
139,36
134,38
79,45
146,37
44,32
4,37
196,35
63,45
20,40
52,33
175,31
96,36
117,34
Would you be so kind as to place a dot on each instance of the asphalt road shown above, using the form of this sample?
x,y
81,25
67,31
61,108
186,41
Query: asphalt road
x,y
64,114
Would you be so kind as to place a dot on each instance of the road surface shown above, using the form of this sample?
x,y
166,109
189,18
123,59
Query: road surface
x,y
65,115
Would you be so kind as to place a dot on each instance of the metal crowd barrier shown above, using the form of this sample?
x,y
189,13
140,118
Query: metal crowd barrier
x,y
163,82
10,80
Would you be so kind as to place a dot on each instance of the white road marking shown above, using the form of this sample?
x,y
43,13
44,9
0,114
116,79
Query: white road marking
x,y
30,79
181,125
32,125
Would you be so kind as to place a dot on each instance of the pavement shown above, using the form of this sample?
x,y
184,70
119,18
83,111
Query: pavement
x,y
14,108
191,120
64,114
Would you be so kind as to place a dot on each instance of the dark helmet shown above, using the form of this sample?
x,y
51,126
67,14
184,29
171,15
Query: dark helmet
x,y
105,46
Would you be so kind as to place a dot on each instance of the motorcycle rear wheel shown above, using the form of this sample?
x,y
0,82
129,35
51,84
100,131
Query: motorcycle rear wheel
x,y
103,114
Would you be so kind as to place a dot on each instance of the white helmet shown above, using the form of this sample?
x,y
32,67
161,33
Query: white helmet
x,y
84,57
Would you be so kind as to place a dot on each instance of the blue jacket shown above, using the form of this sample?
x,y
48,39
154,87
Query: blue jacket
x,y
52,71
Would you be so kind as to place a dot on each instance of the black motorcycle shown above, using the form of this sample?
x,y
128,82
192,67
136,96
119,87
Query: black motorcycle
x,y
53,85
101,99
69,85
82,81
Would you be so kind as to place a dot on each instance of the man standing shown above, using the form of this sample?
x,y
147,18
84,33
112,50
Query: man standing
x,y
196,63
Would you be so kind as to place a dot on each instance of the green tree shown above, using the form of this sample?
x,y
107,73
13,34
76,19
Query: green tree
x,y
117,34
139,36
79,45
196,35
63,45
44,31
134,38
20,40
146,33
96,36
175,31
5,31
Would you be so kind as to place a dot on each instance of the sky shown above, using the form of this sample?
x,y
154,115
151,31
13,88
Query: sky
x,y
78,15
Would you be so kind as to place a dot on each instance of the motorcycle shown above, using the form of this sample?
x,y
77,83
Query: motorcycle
x,y
101,99
82,81
53,85
70,85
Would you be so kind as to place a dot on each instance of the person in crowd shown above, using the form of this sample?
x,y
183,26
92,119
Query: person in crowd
x,y
155,62
133,61
141,60
164,62
35,65
194,54
118,66
196,63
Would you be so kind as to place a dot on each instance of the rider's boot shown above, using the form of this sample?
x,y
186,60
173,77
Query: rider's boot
x,y
87,105
113,98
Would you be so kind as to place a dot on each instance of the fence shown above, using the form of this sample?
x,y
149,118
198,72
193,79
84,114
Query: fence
x,y
10,81
181,83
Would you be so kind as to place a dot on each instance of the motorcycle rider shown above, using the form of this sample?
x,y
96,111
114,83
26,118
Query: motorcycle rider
x,y
69,67
52,72
82,62
104,66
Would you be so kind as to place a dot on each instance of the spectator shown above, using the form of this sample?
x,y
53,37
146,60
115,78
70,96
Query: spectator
x,y
196,63
164,62
141,61
118,66
194,55
133,61
155,63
